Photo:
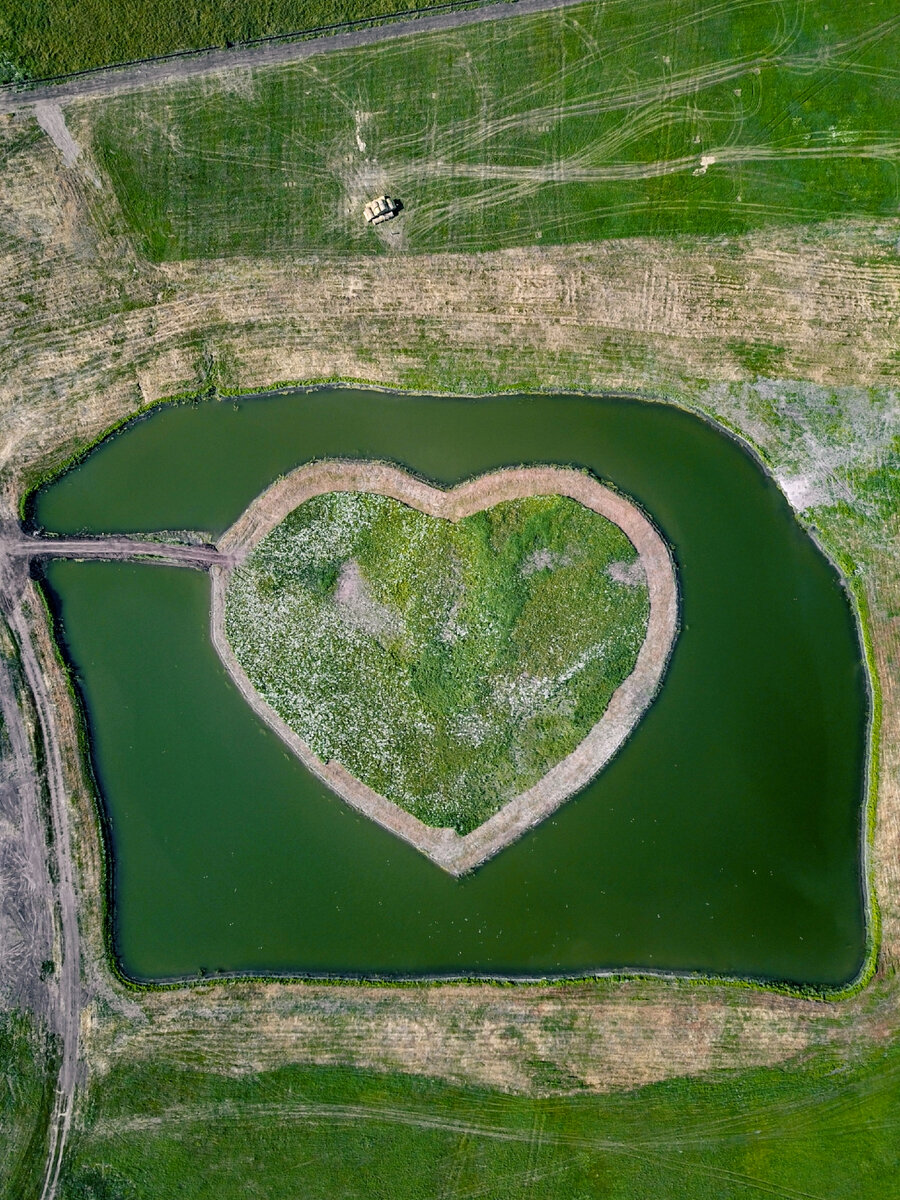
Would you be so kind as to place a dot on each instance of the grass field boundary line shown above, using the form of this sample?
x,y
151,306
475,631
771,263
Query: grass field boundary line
x,y
295,34
280,50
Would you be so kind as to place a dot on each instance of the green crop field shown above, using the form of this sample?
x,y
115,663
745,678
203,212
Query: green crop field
x,y
27,1082
574,125
54,37
448,666
824,1129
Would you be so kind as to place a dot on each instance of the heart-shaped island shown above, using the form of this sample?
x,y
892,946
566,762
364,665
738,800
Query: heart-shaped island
x,y
454,664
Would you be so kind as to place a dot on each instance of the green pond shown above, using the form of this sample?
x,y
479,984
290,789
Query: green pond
x,y
725,836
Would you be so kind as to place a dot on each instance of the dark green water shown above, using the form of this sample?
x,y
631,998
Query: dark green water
x,y
725,836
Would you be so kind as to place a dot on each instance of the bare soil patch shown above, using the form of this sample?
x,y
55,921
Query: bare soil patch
x,y
631,574
358,607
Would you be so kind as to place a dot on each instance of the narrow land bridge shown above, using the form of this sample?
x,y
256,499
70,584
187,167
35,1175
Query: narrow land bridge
x,y
170,554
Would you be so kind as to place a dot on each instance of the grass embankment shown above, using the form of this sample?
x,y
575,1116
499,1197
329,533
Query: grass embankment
x,y
824,1128
580,125
27,1079
446,665
55,37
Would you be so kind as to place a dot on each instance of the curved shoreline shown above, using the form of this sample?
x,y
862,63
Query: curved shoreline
x,y
449,850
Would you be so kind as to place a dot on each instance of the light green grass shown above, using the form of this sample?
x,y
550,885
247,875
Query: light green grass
x,y
823,1129
27,1078
40,38
594,122
471,657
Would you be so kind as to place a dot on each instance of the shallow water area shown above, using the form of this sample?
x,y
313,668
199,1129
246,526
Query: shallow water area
x,y
724,837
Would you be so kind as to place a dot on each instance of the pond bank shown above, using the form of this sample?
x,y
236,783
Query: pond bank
x,y
691,851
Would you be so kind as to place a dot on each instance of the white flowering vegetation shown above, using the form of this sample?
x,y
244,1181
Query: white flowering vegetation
x,y
446,665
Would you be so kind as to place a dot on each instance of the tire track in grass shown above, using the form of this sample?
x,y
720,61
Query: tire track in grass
x,y
535,1137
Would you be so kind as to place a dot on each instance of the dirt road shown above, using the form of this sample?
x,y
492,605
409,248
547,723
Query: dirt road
x,y
16,549
13,583
117,80
28,925
69,992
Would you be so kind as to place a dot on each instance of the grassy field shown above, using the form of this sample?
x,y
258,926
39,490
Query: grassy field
x,y
822,1129
581,126
448,666
572,126
54,37
27,1066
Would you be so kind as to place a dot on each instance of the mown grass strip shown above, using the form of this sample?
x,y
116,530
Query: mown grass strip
x,y
159,1130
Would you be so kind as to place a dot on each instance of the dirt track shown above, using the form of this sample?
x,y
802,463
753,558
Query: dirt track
x,y
118,80
14,595
27,902
114,549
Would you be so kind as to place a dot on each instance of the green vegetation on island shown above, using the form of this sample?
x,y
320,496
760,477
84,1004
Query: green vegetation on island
x,y
575,125
446,665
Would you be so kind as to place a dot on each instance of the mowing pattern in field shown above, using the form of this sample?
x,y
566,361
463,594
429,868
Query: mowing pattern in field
x,y
601,121
825,1129
448,666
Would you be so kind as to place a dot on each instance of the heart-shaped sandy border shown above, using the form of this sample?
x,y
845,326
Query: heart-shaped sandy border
x,y
445,847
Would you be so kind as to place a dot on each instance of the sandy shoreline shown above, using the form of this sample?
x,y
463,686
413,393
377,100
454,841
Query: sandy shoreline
x,y
453,852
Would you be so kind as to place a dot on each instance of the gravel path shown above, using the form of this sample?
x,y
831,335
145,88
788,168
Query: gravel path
x,y
115,81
